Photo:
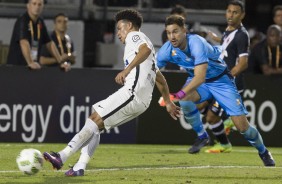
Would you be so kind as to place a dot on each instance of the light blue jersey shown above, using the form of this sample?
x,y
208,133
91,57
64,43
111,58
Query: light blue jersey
x,y
219,84
199,51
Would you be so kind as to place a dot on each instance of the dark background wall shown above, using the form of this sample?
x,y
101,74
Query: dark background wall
x,y
51,106
259,13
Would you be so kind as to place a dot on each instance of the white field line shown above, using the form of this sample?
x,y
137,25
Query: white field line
x,y
179,148
157,147
131,146
161,168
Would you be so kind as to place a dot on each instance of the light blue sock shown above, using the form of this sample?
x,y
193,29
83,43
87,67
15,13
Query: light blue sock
x,y
192,116
253,136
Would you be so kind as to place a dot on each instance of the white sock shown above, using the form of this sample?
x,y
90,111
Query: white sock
x,y
87,152
82,162
84,135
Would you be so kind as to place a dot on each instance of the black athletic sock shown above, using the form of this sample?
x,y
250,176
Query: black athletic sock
x,y
219,132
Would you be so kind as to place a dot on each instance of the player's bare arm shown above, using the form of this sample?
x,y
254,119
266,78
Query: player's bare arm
x,y
141,56
240,67
213,36
162,86
198,79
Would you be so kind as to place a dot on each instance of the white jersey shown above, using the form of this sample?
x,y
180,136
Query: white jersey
x,y
135,96
141,79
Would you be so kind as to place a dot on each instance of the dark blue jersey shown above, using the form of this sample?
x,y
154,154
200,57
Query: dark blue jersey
x,y
235,44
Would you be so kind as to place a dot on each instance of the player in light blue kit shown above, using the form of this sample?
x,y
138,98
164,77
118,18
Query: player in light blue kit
x,y
208,78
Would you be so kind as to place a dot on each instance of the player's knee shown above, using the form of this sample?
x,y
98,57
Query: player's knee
x,y
96,118
241,123
211,118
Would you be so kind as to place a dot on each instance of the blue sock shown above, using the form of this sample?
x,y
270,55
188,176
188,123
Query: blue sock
x,y
192,116
253,136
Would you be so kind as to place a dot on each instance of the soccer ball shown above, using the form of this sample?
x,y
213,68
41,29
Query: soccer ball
x,y
30,161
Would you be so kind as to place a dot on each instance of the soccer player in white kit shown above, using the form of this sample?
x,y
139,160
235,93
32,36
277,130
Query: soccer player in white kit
x,y
132,99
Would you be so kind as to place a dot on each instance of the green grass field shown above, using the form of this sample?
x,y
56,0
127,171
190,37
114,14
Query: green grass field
x,y
123,163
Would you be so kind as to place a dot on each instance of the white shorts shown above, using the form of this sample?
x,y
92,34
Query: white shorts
x,y
119,108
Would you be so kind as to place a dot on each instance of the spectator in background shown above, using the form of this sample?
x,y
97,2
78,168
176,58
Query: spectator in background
x,y
265,57
63,43
255,36
178,10
277,15
29,34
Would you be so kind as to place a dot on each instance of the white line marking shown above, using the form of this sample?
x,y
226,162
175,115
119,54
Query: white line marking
x,y
161,168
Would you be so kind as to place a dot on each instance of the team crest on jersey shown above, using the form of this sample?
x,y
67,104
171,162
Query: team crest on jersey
x,y
173,53
135,38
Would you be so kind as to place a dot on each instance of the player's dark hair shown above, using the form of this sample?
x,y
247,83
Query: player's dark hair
x,y
175,19
59,15
237,3
130,15
276,8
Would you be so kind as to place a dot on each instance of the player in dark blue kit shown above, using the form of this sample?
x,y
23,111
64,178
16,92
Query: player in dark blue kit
x,y
208,78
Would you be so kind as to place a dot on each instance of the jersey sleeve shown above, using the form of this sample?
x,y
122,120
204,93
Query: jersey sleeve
x,y
23,29
199,50
136,40
163,56
133,41
243,43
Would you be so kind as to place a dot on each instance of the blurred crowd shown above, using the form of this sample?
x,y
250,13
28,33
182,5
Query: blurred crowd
x,y
36,49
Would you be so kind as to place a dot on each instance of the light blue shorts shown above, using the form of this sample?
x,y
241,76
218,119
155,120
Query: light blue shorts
x,y
224,91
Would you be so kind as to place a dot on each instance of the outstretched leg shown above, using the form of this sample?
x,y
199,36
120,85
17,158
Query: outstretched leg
x,y
89,134
252,135
86,153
